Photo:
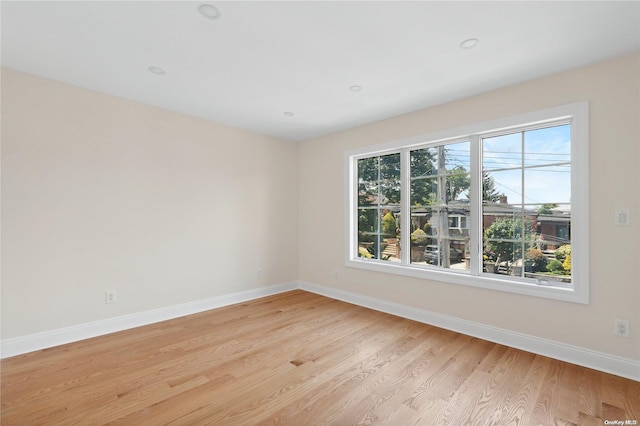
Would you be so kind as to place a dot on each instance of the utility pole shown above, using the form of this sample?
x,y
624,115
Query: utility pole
x,y
444,211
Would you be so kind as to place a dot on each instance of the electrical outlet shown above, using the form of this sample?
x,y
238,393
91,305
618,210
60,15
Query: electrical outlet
x,y
621,328
258,272
110,296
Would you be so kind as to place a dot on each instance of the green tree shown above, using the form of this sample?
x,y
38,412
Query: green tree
x,y
379,180
424,171
458,181
419,237
555,266
512,228
367,181
390,179
567,263
389,225
547,208
489,191
366,225
424,189
562,252
535,260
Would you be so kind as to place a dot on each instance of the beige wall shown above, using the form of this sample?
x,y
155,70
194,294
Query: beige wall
x,y
103,193
613,91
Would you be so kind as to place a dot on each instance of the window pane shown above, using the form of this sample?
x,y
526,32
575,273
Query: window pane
x,y
390,193
424,192
458,216
379,207
367,194
502,152
367,220
390,167
389,226
424,162
553,226
440,182
368,170
548,185
459,257
551,145
457,163
390,179
527,203
422,234
503,187
436,254
535,261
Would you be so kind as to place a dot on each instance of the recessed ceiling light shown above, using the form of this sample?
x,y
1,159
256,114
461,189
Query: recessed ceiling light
x,y
470,43
209,11
157,70
355,88
289,114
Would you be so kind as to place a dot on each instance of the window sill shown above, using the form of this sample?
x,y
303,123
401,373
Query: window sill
x,y
486,281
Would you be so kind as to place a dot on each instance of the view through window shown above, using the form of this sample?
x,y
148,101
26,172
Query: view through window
x,y
499,205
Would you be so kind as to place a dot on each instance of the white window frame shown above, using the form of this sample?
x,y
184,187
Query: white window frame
x,y
576,114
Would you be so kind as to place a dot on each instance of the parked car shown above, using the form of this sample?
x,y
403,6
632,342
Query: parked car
x,y
432,255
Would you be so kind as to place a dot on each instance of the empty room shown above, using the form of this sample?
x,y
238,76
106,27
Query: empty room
x,y
313,213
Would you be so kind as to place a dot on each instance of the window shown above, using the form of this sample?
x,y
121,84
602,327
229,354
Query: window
x,y
379,206
500,205
439,199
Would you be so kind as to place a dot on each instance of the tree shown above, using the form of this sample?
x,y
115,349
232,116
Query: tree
x,y
367,181
535,260
458,181
547,208
366,225
419,237
567,263
390,179
379,180
562,252
389,225
489,191
378,188
512,228
423,191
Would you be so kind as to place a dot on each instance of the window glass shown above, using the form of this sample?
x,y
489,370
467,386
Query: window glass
x,y
526,205
440,182
497,205
379,207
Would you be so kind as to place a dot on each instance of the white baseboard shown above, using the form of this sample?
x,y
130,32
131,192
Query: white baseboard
x,y
61,336
607,363
580,356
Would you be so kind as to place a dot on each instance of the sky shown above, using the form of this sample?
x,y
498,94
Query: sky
x,y
536,160
545,154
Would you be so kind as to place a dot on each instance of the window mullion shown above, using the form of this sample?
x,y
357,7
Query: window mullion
x,y
405,207
522,207
475,195
378,229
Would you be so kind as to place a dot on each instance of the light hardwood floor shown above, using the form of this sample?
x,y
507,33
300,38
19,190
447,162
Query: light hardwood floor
x,y
301,359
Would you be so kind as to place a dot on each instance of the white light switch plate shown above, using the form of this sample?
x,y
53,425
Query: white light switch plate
x,y
622,217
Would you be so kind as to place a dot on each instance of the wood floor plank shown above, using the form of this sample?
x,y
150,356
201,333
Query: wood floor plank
x,y
361,382
321,400
298,358
488,393
524,404
324,365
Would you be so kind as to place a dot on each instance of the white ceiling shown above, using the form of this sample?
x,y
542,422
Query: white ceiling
x,y
259,60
